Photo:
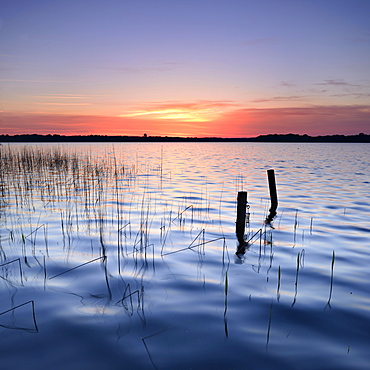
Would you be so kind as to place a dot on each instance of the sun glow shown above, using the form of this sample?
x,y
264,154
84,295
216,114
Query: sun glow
x,y
191,112
176,115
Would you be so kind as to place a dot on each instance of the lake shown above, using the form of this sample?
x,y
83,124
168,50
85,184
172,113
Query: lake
x,y
123,256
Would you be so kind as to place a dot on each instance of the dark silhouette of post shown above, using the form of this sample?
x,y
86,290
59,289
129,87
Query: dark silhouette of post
x,y
273,196
240,215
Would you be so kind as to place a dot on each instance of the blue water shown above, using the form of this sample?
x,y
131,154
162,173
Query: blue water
x,y
125,257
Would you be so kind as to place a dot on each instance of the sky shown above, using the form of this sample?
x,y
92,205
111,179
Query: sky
x,y
193,68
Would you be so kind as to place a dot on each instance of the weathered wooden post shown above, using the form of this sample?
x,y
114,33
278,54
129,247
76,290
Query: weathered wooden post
x,y
240,215
273,195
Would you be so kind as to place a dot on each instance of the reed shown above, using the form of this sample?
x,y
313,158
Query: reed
x,y
225,304
127,295
278,284
146,347
269,326
331,280
295,227
33,313
79,266
7,273
300,264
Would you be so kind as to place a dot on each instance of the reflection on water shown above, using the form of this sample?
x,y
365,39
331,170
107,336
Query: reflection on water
x,y
124,256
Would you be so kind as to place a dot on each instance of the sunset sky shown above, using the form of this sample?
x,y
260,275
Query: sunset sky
x,y
221,68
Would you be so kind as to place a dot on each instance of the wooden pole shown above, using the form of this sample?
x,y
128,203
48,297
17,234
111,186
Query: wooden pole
x,y
273,195
240,215
272,186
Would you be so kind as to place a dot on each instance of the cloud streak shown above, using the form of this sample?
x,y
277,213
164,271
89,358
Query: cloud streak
x,y
33,81
60,104
68,96
279,99
162,67
200,111
334,82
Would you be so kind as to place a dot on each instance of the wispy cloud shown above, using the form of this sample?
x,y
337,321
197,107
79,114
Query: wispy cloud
x,y
337,82
199,104
339,88
287,84
162,67
60,104
31,81
7,69
199,111
12,56
68,96
278,99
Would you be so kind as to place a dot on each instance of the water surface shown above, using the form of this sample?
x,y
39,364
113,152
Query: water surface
x,y
123,256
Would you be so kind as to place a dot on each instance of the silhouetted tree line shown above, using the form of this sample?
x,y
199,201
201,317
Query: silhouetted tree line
x,y
360,138
33,138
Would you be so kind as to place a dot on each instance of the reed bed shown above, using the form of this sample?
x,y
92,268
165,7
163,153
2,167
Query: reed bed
x,y
121,208
92,198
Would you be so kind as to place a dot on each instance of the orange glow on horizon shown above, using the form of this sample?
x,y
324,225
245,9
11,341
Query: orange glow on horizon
x,y
205,119
179,114
200,111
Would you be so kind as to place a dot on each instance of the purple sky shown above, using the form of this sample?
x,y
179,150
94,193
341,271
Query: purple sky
x,y
189,68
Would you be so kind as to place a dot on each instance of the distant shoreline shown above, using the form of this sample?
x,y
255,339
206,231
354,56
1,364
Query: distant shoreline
x,y
283,138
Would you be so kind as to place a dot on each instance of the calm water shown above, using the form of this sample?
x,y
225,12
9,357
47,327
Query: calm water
x,y
123,256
